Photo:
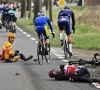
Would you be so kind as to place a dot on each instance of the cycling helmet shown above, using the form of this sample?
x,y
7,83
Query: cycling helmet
x,y
50,73
66,7
11,35
41,13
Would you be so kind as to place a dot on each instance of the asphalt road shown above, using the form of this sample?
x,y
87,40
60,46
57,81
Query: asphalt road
x,y
32,75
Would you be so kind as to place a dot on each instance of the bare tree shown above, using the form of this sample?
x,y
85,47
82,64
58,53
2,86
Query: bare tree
x,y
23,8
50,10
27,5
37,8
29,8
46,3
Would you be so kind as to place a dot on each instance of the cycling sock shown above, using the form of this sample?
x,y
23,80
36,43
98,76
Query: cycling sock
x,y
61,36
70,47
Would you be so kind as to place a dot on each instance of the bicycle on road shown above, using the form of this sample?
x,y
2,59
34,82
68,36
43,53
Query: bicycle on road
x,y
43,52
94,62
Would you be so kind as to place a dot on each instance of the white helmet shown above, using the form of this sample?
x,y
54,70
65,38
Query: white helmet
x,y
41,13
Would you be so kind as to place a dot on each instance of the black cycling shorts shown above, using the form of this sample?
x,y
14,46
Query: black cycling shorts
x,y
82,72
12,17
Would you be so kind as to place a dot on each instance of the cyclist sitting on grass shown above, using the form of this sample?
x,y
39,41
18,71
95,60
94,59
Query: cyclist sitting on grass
x,y
8,54
64,21
40,24
72,73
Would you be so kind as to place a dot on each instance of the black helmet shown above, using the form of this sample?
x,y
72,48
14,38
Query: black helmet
x,y
66,7
50,74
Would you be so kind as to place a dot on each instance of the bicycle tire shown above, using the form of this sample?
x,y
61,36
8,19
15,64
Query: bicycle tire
x,y
6,27
40,56
66,51
47,57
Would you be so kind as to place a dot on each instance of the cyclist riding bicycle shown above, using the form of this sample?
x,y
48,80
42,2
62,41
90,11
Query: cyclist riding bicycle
x,y
12,16
64,22
8,54
72,73
5,10
40,24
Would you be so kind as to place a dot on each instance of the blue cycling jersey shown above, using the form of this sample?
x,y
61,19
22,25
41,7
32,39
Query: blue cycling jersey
x,y
68,13
12,11
42,20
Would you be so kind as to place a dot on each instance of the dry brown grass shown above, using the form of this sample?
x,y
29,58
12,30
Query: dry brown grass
x,y
91,17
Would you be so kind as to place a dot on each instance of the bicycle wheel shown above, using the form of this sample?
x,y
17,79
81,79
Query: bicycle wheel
x,y
47,57
66,51
39,55
6,27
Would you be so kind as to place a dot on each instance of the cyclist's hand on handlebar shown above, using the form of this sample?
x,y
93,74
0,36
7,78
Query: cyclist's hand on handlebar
x,y
53,34
73,29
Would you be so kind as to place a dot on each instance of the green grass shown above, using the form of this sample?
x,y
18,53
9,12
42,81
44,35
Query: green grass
x,y
85,36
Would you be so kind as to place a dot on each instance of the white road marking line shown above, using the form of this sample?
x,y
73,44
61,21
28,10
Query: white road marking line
x,y
24,32
21,30
65,60
33,38
28,35
60,57
18,28
36,41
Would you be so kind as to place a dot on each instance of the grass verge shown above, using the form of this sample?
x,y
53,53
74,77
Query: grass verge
x,y
85,36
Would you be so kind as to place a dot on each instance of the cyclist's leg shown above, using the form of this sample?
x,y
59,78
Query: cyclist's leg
x,y
14,20
2,17
46,34
9,20
38,30
68,32
81,75
22,57
60,24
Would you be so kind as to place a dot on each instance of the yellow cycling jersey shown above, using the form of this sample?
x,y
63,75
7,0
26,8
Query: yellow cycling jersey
x,y
7,50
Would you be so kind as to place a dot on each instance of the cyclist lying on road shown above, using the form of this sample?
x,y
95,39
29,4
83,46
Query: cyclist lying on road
x,y
40,24
72,73
8,54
